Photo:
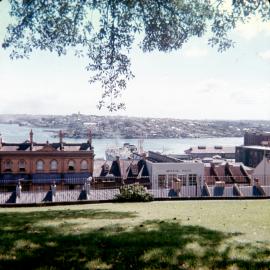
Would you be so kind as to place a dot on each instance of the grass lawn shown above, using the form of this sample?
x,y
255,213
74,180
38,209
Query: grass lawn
x,y
156,235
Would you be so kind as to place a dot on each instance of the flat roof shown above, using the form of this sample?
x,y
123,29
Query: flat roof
x,y
39,147
257,147
210,149
156,157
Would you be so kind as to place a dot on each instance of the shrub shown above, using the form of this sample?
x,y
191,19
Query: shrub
x,y
133,193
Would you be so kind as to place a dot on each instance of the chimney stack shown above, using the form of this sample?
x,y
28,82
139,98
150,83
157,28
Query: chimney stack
x,y
31,139
1,142
90,138
61,135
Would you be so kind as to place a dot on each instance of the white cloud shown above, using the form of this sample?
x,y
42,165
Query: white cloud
x,y
212,85
253,28
265,55
195,53
232,99
242,97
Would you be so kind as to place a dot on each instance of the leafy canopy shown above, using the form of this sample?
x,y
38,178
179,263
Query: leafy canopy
x,y
105,31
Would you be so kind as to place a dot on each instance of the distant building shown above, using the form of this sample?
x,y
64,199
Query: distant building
x,y
165,171
180,156
45,163
257,138
262,171
227,172
251,155
226,152
256,146
111,174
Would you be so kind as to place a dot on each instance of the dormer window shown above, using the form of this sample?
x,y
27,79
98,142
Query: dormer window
x,y
71,165
22,165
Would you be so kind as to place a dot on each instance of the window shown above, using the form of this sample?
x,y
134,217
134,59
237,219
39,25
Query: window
x,y
171,178
84,165
183,179
53,165
40,165
22,165
162,181
8,166
71,165
192,179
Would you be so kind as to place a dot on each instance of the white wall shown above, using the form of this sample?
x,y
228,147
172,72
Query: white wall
x,y
262,172
185,168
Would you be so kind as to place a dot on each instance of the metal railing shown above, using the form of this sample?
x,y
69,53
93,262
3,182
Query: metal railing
x,y
106,188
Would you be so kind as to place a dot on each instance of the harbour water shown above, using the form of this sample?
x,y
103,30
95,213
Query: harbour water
x,y
16,133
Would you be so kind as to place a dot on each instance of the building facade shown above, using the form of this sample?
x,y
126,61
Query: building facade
x,y
251,155
262,172
41,163
226,152
256,138
164,171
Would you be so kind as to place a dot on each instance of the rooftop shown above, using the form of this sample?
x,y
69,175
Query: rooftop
x,y
211,149
45,147
257,147
30,145
156,157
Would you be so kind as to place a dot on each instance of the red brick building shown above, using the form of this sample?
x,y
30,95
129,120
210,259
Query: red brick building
x,y
257,138
44,163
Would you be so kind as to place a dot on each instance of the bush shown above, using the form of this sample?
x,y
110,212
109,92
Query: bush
x,y
133,193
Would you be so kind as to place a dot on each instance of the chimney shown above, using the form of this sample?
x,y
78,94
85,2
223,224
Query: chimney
x,y
90,138
61,135
1,142
31,139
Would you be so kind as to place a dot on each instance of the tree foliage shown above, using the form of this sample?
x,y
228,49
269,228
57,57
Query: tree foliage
x,y
105,31
133,193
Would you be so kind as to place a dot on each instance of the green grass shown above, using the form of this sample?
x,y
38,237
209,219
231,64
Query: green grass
x,y
156,235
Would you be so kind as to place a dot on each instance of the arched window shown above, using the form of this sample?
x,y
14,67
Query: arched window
x,y
71,165
22,165
84,165
8,166
53,165
40,165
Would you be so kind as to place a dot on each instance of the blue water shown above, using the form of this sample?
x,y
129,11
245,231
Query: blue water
x,y
15,133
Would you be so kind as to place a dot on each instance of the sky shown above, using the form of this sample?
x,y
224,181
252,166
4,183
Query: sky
x,y
196,82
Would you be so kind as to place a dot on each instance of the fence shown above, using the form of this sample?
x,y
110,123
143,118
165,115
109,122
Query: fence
x,y
105,189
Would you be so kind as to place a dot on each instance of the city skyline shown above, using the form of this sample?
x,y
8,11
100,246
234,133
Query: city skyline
x,y
195,82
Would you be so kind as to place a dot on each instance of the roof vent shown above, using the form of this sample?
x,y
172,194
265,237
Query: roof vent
x,y
201,147
218,147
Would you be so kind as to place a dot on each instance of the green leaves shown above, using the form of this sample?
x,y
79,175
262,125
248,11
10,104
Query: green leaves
x,y
133,193
106,31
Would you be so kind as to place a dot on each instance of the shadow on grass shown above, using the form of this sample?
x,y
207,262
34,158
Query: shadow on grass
x,y
19,219
150,245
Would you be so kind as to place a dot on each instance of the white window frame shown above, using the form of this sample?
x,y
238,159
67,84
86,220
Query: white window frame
x,y
40,167
53,165
71,164
84,165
